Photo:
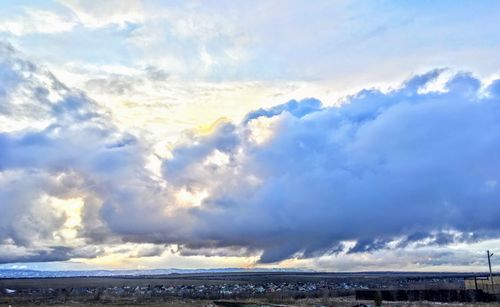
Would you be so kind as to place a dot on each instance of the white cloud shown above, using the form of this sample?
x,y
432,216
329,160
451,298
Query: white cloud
x,y
37,21
95,14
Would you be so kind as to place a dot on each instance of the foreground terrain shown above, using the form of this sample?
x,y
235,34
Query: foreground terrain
x,y
222,289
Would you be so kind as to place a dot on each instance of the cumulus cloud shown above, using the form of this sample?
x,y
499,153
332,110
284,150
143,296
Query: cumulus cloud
x,y
405,166
63,165
410,167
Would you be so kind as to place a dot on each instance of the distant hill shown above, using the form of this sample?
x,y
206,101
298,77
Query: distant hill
x,y
23,273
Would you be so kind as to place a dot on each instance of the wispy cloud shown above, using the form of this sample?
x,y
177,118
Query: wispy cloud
x,y
37,21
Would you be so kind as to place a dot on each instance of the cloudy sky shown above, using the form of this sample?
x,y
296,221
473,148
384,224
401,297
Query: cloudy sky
x,y
324,135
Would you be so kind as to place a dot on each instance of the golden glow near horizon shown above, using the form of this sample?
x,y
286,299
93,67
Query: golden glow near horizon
x,y
127,255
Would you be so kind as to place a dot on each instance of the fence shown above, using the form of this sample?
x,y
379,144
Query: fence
x,y
442,295
484,284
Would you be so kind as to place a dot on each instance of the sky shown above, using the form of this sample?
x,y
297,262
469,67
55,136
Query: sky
x,y
321,135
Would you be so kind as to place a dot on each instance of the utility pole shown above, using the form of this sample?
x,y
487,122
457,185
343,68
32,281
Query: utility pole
x,y
489,265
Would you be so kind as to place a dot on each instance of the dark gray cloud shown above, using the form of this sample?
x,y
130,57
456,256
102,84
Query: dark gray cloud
x,y
149,251
53,253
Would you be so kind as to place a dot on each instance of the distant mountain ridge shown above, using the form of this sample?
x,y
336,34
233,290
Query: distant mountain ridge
x,y
25,273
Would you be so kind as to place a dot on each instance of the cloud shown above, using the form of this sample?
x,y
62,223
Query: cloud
x,y
404,169
381,168
293,107
424,259
127,85
37,21
115,85
100,14
59,149
56,253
